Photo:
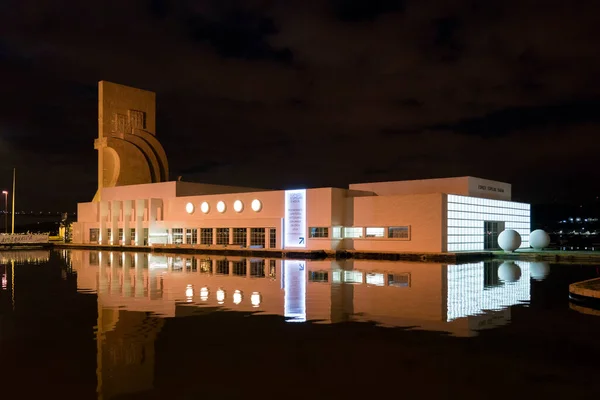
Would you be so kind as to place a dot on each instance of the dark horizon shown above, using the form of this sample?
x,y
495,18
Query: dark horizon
x,y
278,95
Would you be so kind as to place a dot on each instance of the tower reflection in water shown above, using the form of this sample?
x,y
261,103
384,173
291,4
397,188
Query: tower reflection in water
x,y
137,290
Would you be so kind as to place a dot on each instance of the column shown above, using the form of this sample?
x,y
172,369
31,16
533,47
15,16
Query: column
x,y
139,278
103,222
214,236
115,213
102,281
127,212
230,235
139,222
248,242
127,290
115,282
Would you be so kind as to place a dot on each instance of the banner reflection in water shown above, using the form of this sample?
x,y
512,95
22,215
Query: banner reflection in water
x,y
294,275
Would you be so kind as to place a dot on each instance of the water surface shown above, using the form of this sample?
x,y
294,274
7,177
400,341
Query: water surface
x,y
111,325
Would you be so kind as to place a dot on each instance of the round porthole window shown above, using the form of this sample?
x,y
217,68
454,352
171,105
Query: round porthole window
x,y
238,206
189,208
221,206
256,205
204,207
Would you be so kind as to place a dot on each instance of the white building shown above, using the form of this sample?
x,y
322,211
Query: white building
x,y
432,215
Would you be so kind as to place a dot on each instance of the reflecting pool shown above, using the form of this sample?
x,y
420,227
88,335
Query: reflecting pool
x,y
112,325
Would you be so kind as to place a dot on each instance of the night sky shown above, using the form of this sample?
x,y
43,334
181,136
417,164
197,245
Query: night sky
x,y
283,94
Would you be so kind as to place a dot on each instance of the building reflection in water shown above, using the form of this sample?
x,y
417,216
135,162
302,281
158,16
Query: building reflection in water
x,y
135,290
29,256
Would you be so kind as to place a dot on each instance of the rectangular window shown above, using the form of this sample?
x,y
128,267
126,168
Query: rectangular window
x,y
398,232
318,276
146,233
353,232
206,236
223,267
109,234
222,235
336,232
206,266
399,280
177,264
177,234
132,235
257,268
191,236
257,237
94,235
239,236
272,269
320,232
273,238
121,234
94,258
375,279
375,232
353,277
191,265
239,268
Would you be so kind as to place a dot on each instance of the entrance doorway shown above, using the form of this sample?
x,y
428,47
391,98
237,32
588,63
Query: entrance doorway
x,y
491,230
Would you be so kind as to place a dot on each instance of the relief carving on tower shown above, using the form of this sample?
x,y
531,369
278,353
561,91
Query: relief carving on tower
x,y
126,123
129,152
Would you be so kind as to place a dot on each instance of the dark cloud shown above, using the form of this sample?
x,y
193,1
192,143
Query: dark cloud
x,y
509,120
447,46
281,93
238,34
361,10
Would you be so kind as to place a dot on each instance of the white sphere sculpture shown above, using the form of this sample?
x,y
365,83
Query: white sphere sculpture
x,y
509,271
539,270
509,240
539,239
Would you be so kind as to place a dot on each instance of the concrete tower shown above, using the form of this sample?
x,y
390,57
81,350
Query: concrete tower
x,y
128,151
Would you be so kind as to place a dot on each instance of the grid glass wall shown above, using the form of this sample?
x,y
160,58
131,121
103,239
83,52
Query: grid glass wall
x,y
467,217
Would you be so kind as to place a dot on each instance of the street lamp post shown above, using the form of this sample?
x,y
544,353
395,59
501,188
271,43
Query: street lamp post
x,y
5,193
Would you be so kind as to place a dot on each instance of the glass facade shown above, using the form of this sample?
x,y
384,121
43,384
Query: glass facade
x,y
177,235
206,236
468,218
222,235
257,237
239,236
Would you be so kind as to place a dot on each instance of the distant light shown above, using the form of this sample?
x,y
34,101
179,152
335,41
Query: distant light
x,y
238,206
255,299
221,207
189,207
256,205
220,296
204,207
237,297
204,294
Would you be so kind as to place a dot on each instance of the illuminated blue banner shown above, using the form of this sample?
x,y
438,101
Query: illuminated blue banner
x,y
295,218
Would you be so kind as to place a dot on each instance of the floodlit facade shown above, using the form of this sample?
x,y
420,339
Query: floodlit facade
x,y
432,215
136,204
